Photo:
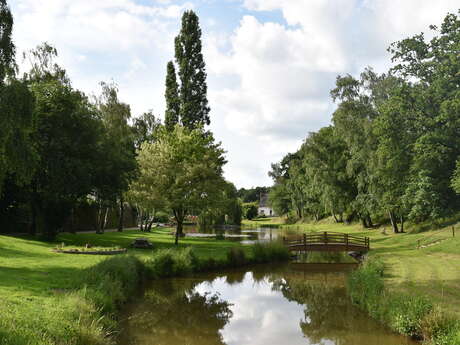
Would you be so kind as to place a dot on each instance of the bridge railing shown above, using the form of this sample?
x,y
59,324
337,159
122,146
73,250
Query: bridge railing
x,y
326,238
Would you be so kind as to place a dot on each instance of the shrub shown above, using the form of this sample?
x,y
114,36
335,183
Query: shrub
x,y
120,276
236,257
250,210
270,252
161,217
407,312
440,328
169,262
365,287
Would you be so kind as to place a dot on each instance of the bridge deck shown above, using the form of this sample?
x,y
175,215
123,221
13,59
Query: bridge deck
x,y
327,241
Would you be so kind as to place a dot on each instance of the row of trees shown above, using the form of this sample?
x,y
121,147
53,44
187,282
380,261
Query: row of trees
x,y
60,148
393,147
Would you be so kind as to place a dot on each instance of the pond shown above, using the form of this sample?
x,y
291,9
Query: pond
x,y
289,304
245,235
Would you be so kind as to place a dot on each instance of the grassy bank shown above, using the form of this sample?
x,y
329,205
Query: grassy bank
x,y
433,270
409,314
52,298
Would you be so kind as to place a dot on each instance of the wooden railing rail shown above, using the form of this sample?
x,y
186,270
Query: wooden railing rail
x,y
327,239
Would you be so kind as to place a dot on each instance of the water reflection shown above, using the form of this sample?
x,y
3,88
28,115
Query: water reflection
x,y
243,235
256,307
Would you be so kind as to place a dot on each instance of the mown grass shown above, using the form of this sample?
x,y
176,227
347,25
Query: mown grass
x,y
54,298
409,314
432,271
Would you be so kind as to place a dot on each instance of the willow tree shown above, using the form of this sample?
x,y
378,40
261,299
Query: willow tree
x,y
181,170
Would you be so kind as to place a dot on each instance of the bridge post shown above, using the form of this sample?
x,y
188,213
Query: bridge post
x,y
305,241
346,241
325,237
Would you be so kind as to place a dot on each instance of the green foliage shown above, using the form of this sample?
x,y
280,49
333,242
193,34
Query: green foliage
x,y
66,170
17,153
196,185
226,209
7,48
329,257
162,217
393,146
456,178
171,262
172,113
236,257
252,194
120,275
270,252
410,315
194,109
250,210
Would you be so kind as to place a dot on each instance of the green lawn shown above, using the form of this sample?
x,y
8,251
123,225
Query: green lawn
x,y
433,270
33,277
29,269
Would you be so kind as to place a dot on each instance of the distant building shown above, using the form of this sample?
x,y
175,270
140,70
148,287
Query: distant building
x,y
264,207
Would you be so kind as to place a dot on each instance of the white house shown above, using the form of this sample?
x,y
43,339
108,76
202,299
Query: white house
x,y
265,208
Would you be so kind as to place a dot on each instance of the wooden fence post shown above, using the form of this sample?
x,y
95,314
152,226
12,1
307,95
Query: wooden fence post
x,y
325,237
305,241
453,231
346,241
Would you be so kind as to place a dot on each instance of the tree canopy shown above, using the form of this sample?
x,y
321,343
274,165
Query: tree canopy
x,y
393,148
182,170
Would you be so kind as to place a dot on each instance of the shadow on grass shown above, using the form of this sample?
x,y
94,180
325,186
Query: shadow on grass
x,y
39,281
9,253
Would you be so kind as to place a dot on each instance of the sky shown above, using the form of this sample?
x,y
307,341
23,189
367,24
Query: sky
x,y
270,63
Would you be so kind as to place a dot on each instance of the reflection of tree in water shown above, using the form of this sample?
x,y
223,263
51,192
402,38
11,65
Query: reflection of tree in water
x,y
328,313
171,313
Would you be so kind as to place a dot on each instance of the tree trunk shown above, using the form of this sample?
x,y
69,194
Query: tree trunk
x,y
335,218
33,225
178,232
402,223
99,220
369,221
140,220
179,215
72,220
149,226
394,224
122,213
104,222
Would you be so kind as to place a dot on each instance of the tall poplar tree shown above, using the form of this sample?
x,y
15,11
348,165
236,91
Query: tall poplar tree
x,y
172,98
194,109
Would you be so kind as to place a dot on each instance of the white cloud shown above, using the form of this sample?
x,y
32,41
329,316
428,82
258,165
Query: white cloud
x,y
268,82
284,72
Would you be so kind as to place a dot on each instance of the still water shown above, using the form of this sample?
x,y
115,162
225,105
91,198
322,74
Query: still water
x,y
242,235
290,304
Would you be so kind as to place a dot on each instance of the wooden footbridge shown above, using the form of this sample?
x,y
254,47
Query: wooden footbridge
x,y
327,242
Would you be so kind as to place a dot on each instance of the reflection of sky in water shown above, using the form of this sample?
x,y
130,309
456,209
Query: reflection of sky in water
x,y
260,315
